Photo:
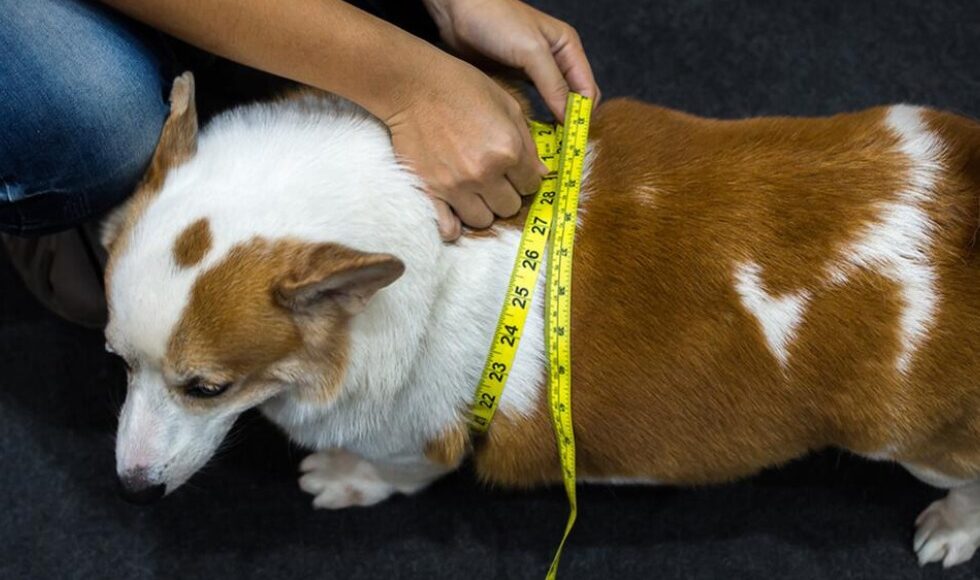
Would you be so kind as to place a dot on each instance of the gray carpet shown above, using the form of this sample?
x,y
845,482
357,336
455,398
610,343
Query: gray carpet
x,y
830,516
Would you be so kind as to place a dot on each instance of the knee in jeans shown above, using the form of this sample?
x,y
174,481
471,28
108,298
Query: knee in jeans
x,y
82,121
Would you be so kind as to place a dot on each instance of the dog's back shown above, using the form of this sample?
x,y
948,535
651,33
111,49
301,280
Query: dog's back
x,y
747,291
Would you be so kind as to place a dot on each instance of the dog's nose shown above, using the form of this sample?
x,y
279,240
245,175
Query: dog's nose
x,y
136,487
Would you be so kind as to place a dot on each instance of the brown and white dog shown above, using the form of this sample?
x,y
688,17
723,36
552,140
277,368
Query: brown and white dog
x,y
745,292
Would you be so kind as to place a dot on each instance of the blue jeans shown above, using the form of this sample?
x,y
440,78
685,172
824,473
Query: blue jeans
x,y
83,96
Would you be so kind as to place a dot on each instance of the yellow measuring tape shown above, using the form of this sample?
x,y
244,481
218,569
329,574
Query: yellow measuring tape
x,y
552,216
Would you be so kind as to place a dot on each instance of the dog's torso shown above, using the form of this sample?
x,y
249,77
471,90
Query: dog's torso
x,y
748,291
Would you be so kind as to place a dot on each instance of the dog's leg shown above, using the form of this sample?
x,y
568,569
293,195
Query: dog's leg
x,y
339,479
949,529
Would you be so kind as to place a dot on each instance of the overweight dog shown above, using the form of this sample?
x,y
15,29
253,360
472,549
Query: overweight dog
x,y
745,292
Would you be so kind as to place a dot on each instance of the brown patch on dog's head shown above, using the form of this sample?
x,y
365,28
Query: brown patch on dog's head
x,y
277,312
177,144
193,243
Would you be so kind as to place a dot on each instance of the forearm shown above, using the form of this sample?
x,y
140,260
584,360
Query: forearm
x,y
324,43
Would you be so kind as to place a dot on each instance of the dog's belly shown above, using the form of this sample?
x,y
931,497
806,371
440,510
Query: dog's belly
x,y
746,292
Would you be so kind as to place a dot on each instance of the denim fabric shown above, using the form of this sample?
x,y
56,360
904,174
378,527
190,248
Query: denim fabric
x,y
83,96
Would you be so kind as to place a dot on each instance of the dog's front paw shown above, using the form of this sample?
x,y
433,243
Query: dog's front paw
x,y
947,532
338,479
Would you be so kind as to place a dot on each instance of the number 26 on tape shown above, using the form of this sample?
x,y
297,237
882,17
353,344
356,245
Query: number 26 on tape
x,y
530,260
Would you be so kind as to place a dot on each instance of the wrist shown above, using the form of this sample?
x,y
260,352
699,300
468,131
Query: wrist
x,y
418,80
389,73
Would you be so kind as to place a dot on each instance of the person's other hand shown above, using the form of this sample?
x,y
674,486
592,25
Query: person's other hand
x,y
468,140
548,50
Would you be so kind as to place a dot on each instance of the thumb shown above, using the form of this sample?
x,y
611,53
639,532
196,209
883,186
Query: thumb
x,y
543,70
450,228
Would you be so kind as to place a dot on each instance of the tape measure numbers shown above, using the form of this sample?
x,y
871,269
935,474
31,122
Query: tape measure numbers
x,y
552,217
523,282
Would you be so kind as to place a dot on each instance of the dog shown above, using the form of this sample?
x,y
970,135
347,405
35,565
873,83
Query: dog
x,y
745,292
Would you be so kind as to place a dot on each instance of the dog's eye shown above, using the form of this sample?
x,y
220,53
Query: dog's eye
x,y
205,390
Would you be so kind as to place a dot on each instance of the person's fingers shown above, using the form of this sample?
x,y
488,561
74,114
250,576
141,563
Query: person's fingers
x,y
575,67
566,48
472,211
526,175
540,65
501,197
449,225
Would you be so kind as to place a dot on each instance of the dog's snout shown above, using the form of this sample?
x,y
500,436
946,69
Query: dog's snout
x,y
136,487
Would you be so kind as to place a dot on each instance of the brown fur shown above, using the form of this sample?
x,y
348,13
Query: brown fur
x,y
232,321
193,244
250,317
673,380
450,448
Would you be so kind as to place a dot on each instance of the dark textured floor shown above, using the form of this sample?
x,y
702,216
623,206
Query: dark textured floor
x,y
830,516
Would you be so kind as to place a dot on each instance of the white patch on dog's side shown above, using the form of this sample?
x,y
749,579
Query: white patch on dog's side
x,y
779,317
898,243
585,192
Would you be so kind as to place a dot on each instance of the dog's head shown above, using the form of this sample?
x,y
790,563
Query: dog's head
x,y
211,322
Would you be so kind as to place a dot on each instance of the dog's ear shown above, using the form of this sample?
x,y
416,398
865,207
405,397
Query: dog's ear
x,y
335,274
177,144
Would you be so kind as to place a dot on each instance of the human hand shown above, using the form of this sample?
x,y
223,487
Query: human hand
x,y
468,140
512,33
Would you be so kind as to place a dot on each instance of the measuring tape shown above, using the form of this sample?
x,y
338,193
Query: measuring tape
x,y
552,216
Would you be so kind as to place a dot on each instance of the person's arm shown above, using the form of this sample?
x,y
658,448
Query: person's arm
x,y
461,133
324,43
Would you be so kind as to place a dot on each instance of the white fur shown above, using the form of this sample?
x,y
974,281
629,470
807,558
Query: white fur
x,y
779,317
899,243
161,438
323,170
339,479
948,531
591,152
934,478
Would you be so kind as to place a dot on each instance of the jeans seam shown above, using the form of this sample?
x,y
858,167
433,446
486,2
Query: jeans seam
x,y
78,208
